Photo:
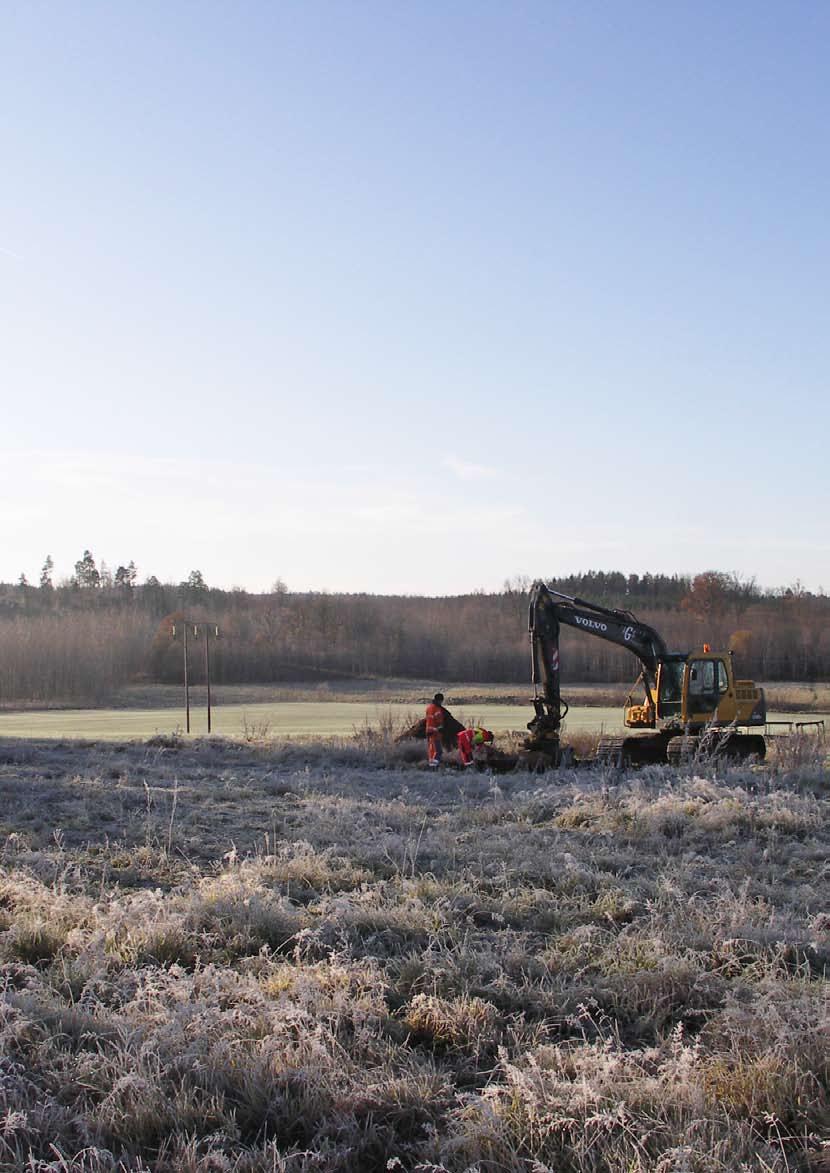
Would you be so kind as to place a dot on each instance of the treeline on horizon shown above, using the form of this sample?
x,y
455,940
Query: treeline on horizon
x,y
84,638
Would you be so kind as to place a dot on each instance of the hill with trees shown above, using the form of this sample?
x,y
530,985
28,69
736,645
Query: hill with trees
x,y
79,640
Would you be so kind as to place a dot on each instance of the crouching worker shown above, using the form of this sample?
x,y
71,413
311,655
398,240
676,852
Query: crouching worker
x,y
435,729
469,740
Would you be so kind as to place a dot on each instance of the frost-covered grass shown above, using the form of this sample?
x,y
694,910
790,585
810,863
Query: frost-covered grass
x,y
221,956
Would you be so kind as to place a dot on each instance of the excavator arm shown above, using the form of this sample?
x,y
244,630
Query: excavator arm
x,y
547,611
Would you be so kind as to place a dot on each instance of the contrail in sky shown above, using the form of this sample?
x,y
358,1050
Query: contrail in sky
x,y
9,253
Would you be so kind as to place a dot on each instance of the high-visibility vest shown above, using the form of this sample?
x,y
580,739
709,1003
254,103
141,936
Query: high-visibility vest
x,y
468,738
435,719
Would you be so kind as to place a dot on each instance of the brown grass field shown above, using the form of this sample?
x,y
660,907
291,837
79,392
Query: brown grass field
x,y
221,956
781,696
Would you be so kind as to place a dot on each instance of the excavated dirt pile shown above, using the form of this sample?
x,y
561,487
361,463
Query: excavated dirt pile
x,y
449,734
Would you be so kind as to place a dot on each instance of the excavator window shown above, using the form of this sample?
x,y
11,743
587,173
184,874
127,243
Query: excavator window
x,y
670,694
703,685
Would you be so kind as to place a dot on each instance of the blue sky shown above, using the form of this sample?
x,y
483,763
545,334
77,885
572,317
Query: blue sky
x,y
415,297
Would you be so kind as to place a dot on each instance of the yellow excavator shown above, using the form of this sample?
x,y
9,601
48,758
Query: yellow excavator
x,y
691,699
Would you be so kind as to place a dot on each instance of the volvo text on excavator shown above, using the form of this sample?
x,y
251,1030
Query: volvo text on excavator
x,y
687,695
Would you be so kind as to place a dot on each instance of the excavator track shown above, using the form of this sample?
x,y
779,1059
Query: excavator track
x,y
682,749
725,745
646,749
610,752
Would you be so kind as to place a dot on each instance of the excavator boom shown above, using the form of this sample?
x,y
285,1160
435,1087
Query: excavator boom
x,y
549,608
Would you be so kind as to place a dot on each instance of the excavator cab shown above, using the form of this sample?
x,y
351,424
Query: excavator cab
x,y
708,683
713,694
694,691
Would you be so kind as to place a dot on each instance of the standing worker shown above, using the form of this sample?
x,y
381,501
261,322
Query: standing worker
x,y
471,739
435,729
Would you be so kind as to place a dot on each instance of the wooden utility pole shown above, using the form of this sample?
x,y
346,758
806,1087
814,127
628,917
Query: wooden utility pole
x,y
199,629
207,628
186,682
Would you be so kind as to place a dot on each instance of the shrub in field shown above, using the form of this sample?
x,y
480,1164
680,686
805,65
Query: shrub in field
x,y
595,1107
466,1023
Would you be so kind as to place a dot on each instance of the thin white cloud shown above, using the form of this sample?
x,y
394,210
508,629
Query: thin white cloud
x,y
391,513
467,470
250,523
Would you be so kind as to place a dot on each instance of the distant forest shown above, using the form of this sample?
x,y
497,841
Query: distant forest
x,y
80,640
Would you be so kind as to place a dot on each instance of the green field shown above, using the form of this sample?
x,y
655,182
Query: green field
x,y
293,719
272,721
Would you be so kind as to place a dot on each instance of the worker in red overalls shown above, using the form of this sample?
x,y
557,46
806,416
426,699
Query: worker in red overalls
x,y
435,728
469,740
